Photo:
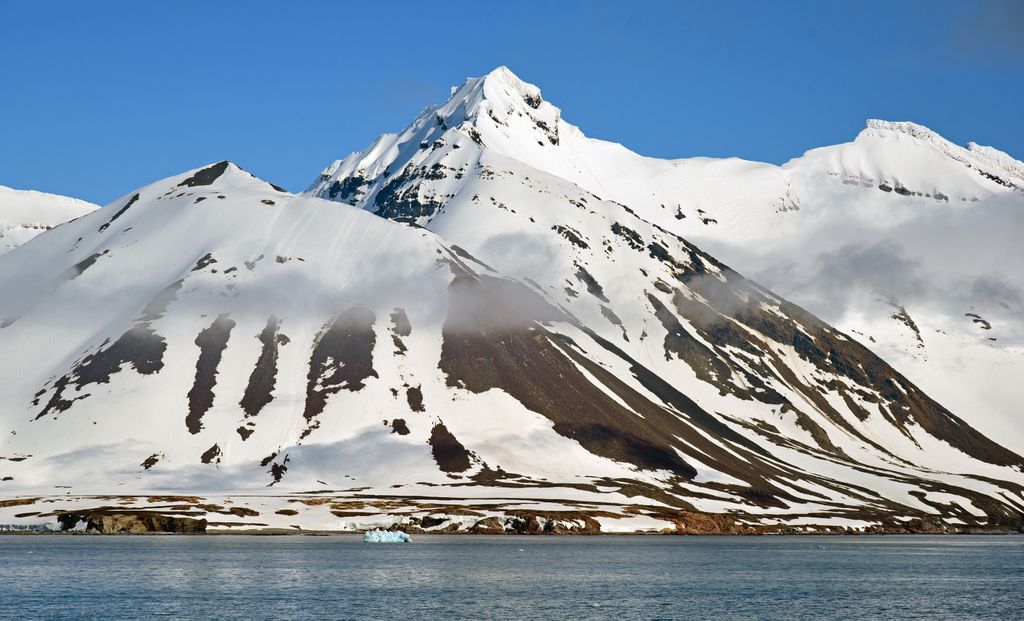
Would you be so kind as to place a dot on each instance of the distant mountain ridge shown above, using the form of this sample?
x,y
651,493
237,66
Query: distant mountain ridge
x,y
26,213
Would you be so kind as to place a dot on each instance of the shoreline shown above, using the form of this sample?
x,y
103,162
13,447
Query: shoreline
x,y
281,532
336,514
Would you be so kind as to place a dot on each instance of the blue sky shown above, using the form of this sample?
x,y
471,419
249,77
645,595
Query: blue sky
x,y
98,98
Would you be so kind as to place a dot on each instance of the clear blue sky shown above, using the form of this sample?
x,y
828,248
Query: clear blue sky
x,y
97,98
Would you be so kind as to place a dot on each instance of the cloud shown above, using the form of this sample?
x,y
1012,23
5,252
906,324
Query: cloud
x,y
842,278
947,260
521,253
995,291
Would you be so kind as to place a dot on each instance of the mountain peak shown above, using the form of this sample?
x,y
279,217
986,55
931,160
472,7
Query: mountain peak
x,y
506,76
498,111
902,127
222,173
499,94
498,83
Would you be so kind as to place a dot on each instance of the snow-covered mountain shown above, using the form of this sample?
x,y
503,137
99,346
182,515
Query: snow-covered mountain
x,y
210,334
26,213
504,349
902,238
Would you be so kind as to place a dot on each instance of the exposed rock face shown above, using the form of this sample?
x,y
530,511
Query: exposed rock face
x,y
488,526
135,523
211,342
119,213
341,360
690,523
207,175
259,391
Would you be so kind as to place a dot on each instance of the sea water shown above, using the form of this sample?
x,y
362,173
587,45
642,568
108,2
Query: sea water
x,y
479,577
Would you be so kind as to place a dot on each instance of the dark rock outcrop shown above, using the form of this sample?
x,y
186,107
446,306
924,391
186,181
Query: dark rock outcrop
x,y
132,523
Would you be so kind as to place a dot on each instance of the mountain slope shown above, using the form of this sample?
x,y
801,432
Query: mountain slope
x,y
25,213
900,237
234,341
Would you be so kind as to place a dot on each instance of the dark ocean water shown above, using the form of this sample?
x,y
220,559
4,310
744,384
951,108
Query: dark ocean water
x,y
444,577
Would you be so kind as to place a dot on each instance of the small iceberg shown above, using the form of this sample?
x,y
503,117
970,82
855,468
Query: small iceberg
x,y
385,536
